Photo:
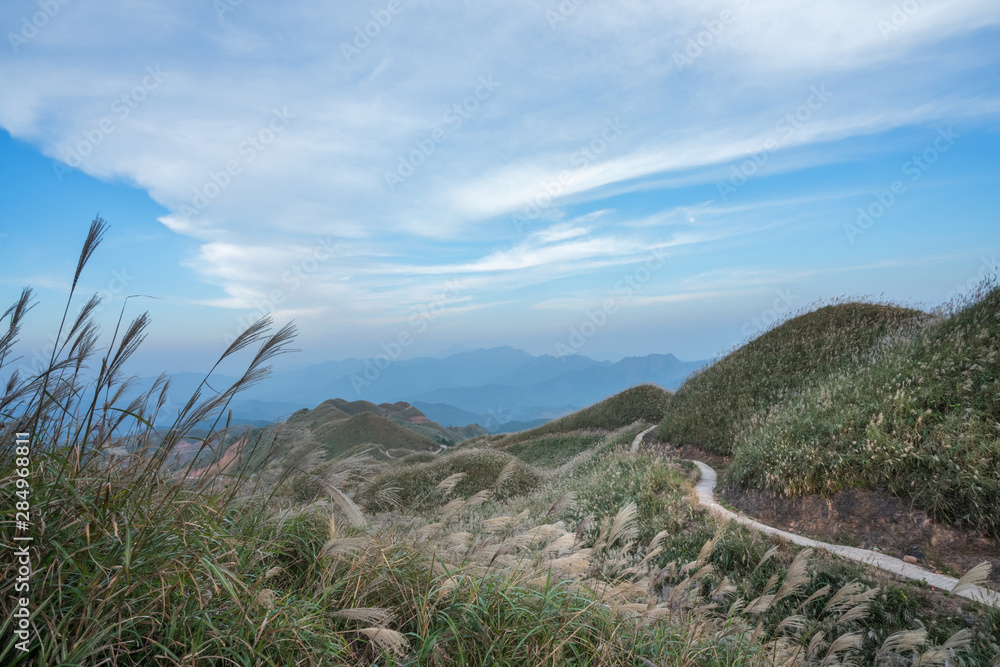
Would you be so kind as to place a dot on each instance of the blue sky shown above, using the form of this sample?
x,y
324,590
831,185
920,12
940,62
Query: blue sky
x,y
603,178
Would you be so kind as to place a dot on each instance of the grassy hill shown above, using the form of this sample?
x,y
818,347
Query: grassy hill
x,y
339,437
646,402
323,413
352,408
921,418
321,420
713,406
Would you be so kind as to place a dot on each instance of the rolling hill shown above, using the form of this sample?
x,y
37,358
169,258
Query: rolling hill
x,y
341,425
341,436
919,417
643,402
713,407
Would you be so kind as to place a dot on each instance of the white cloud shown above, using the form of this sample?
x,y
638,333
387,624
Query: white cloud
x,y
323,174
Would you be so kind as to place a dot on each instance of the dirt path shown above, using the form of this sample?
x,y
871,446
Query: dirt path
x,y
706,496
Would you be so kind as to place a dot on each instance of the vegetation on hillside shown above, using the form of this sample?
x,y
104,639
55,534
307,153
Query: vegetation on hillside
x,y
646,402
624,526
324,421
920,417
714,405
340,436
416,485
549,451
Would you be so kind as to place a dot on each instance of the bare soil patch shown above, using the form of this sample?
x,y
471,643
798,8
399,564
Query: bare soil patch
x,y
874,520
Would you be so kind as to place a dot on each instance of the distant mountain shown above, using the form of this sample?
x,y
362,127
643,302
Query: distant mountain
x,y
496,386
378,382
575,388
267,411
449,415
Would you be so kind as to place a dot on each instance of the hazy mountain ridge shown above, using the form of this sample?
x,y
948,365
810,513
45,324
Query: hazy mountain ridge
x,y
567,391
493,386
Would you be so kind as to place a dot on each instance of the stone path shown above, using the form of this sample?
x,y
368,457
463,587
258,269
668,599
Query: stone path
x,y
706,496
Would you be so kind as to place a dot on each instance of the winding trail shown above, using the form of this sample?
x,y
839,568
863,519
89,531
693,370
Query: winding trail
x,y
638,441
705,489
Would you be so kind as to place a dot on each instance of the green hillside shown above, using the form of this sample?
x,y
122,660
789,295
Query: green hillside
x,y
645,402
323,413
338,437
713,406
352,408
922,418
321,418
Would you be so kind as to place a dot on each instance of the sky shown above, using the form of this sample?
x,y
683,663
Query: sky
x,y
407,177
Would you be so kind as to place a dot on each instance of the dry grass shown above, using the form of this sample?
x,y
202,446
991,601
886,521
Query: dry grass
x,y
714,406
919,415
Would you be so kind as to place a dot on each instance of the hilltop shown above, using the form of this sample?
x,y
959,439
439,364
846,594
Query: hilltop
x,y
341,426
713,407
645,402
917,416
336,427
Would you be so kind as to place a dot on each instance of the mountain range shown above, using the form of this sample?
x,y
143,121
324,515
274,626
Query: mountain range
x,y
501,388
